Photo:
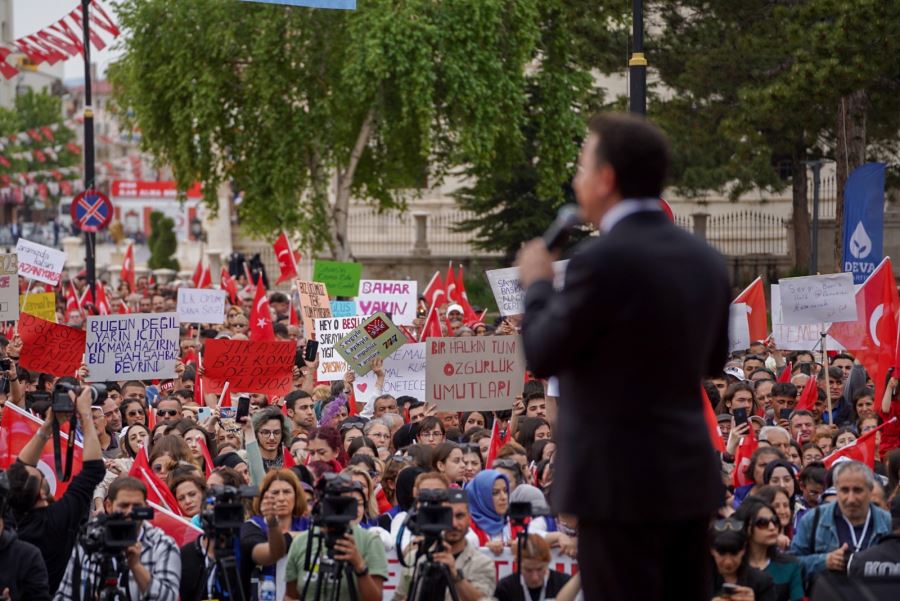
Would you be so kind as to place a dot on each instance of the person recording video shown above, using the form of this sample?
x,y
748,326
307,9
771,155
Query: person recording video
x,y
23,574
149,564
341,553
52,526
472,573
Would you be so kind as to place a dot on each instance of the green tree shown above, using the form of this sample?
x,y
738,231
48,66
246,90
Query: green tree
x,y
295,104
162,242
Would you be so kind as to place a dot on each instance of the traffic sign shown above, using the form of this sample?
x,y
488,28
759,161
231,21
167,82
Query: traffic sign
x,y
91,211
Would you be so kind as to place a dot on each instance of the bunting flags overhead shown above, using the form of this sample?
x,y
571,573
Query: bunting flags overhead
x,y
59,41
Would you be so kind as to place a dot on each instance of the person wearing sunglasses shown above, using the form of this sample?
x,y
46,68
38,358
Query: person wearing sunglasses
x,y
168,411
133,412
763,527
733,578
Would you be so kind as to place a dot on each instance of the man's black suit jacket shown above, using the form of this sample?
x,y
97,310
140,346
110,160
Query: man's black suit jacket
x,y
642,318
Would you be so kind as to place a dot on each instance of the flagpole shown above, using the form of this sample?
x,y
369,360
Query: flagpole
x,y
89,238
824,336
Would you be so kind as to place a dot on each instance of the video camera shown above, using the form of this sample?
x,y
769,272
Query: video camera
x,y
335,510
225,509
432,515
113,533
61,402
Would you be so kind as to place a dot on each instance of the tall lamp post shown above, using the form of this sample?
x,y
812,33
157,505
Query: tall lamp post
x,y
637,64
90,238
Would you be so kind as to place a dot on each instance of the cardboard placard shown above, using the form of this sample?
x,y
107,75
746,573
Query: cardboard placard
x,y
40,336
314,304
375,337
738,327
395,298
344,308
9,287
817,299
329,332
139,346
465,374
39,262
508,291
404,374
260,367
39,304
796,338
342,279
196,305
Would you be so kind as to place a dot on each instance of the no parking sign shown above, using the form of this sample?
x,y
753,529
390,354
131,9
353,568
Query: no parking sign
x,y
91,211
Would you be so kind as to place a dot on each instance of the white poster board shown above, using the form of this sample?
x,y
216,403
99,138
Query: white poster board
x,y
39,262
396,298
329,331
463,374
199,305
9,287
738,327
139,346
818,299
508,291
796,338
404,374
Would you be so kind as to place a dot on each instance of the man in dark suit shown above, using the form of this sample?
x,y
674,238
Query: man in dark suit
x,y
642,318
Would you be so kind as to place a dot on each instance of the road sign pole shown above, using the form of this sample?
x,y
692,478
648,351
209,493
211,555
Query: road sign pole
x,y
89,237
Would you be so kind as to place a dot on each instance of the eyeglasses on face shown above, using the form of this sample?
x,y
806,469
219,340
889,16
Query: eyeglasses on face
x,y
269,433
765,522
135,413
437,434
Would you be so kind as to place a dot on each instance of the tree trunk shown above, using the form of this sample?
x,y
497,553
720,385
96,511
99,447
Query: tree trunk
x,y
850,153
800,217
341,210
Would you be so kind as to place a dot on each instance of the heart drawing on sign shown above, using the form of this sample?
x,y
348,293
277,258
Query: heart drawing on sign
x,y
362,387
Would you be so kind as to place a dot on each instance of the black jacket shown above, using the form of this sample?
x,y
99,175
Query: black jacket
x,y
646,300
759,581
880,560
54,529
510,589
22,569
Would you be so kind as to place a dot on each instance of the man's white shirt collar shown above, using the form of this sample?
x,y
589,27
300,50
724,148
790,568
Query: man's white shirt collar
x,y
626,207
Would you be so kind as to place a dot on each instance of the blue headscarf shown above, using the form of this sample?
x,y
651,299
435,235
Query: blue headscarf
x,y
481,501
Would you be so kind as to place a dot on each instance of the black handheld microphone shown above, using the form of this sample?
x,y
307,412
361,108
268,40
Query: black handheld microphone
x,y
558,232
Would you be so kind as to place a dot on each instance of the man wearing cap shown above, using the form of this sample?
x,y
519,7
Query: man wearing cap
x,y
455,316
883,558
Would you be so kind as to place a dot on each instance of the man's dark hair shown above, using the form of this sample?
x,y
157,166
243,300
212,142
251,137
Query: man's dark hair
x,y
125,483
291,398
801,412
842,356
637,151
532,387
785,389
814,472
407,400
280,329
134,384
834,373
753,358
278,297
113,387
24,488
183,395
535,396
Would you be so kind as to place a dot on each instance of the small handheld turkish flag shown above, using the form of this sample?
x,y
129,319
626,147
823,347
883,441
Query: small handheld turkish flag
x,y
260,316
287,261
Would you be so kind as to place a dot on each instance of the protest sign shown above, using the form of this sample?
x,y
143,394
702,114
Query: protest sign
x,y
465,374
395,298
375,337
197,305
245,366
50,348
796,338
342,279
314,304
9,287
344,308
508,292
817,299
329,332
404,374
139,346
39,304
38,262
738,328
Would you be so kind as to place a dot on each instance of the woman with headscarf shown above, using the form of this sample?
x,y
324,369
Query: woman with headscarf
x,y
488,505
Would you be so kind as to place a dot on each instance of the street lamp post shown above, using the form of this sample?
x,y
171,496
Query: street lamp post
x,y
637,64
89,237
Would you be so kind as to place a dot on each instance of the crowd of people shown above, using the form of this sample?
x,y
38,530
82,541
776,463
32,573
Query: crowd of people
x,y
792,521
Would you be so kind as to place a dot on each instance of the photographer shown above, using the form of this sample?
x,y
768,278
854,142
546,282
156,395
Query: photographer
x,y
23,574
53,528
153,563
472,573
360,549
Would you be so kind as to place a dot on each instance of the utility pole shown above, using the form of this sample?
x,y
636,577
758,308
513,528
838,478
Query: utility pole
x,y
637,64
90,238
816,167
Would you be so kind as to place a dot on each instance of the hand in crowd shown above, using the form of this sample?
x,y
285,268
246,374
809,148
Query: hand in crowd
x,y
14,349
345,549
377,366
446,557
741,593
83,373
133,555
179,369
837,559
734,437
495,546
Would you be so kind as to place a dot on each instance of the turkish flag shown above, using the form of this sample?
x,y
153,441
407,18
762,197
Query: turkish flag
x,y
435,290
873,336
287,261
862,449
807,399
18,427
157,491
497,442
201,278
785,375
103,307
72,304
228,284
469,314
742,460
432,327
260,316
754,296
451,284
127,274
177,527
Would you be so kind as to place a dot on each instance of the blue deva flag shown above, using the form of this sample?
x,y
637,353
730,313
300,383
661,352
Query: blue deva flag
x,y
864,220
342,4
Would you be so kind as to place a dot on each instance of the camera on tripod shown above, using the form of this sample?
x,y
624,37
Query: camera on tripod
x,y
225,509
335,509
113,533
432,516
61,402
